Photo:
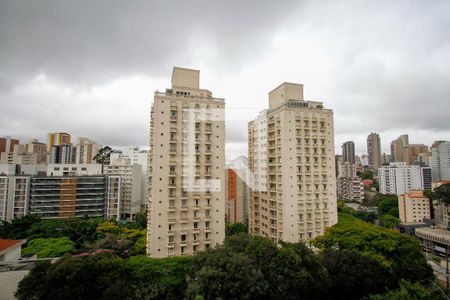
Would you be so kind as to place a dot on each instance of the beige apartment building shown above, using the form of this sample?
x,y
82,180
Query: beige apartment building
x,y
397,148
412,152
186,210
292,194
414,207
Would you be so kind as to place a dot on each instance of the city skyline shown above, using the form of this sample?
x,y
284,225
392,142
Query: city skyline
x,y
99,86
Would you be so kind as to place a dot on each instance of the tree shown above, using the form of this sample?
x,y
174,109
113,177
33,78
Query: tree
x,y
50,247
354,276
100,276
140,219
388,203
18,227
232,229
224,274
389,221
103,156
409,290
163,278
398,253
443,193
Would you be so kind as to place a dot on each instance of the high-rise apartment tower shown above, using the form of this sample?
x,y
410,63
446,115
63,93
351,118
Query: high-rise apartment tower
x,y
186,210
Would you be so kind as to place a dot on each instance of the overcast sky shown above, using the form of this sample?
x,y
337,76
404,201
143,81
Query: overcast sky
x,y
90,68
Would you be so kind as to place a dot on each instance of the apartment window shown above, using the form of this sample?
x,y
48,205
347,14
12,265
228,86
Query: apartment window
x,y
183,249
195,225
207,224
183,237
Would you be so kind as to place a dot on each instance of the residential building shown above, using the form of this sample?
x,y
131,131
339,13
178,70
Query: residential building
x,y
14,193
414,207
350,189
399,178
440,160
34,146
348,152
411,152
293,197
86,149
131,200
7,144
57,139
236,195
62,154
67,196
135,156
397,148
18,157
186,174
113,205
59,196
374,151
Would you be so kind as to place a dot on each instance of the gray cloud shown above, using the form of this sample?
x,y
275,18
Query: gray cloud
x,y
91,42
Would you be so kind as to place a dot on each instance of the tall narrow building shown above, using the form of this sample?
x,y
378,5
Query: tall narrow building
x,y
186,210
292,194
374,151
397,148
348,152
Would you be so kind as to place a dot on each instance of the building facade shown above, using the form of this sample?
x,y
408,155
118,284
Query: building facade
x,y
236,195
399,178
7,144
414,207
440,160
57,139
348,152
374,151
293,196
86,150
131,200
397,148
350,189
186,210
414,153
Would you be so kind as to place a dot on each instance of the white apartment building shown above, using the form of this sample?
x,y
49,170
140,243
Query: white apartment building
x,y
293,194
399,178
414,207
440,160
186,210
131,201
14,193
135,156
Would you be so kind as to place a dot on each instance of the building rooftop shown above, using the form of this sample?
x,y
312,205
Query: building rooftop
x,y
6,244
434,234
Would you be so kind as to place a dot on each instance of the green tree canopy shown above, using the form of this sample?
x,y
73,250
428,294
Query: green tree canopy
x,y
398,253
443,193
232,229
50,247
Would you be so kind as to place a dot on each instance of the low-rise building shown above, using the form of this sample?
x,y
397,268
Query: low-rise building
x,y
10,250
74,169
414,207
